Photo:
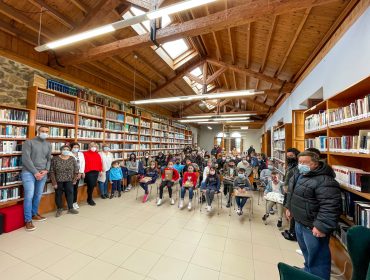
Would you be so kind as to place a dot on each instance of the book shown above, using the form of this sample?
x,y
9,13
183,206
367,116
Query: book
x,y
349,176
114,126
49,116
316,121
13,131
10,178
12,162
93,110
90,134
7,194
14,115
61,132
90,123
320,143
50,100
115,116
10,147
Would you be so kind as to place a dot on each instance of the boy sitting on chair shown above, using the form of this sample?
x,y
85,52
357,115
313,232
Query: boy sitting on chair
x,y
169,177
274,191
241,185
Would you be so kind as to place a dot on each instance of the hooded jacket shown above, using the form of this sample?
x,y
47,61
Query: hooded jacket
x,y
314,199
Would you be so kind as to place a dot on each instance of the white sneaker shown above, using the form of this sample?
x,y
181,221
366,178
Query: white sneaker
x,y
172,201
189,206
129,187
159,202
181,204
75,206
299,252
238,211
209,208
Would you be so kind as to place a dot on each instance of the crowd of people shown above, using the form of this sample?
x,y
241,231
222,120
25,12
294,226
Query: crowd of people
x,y
309,193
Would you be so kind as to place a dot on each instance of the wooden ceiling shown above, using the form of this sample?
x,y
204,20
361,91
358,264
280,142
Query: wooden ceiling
x,y
241,44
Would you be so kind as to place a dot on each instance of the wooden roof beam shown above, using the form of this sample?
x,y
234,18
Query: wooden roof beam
x,y
248,45
268,45
144,4
10,29
80,5
194,78
234,78
215,75
148,65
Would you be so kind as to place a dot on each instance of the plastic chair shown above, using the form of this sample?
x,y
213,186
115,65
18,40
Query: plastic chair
x,y
150,190
288,272
250,198
219,202
358,244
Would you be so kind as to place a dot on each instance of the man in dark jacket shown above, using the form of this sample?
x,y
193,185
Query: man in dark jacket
x,y
314,200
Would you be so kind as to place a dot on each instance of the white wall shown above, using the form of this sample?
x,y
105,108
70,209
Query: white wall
x,y
347,63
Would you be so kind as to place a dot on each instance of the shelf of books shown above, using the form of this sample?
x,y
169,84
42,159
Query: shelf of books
x,y
342,124
281,141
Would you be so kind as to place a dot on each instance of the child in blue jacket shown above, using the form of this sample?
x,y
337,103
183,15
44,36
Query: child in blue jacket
x,y
151,172
211,186
115,177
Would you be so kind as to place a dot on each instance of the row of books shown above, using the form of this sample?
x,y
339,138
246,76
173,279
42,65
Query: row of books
x,y
117,155
10,147
319,143
114,136
279,134
60,87
51,100
179,136
349,176
157,133
341,233
55,146
354,111
8,163
129,146
316,121
113,126
279,144
54,117
355,209
145,124
90,123
129,137
13,115
9,194
159,126
115,116
94,110
145,131
90,134
10,178
343,144
114,146
145,139
103,100
156,146
279,155
145,146
131,128
156,139
60,132
13,131
132,120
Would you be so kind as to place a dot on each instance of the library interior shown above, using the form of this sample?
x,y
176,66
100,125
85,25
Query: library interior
x,y
185,139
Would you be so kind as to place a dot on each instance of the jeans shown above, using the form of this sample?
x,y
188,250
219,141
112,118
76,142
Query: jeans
x,y
67,188
315,251
169,184
191,193
210,194
32,194
240,201
116,186
103,186
91,178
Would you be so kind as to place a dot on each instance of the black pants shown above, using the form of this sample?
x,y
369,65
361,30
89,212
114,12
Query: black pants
x,y
91,178
67,188
228,188
169,184
130,175
75,191
292,226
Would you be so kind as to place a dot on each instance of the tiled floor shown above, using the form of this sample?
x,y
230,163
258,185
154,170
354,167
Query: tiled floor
x,y
125,239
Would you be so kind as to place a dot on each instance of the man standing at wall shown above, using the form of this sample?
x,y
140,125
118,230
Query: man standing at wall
x,y
36,158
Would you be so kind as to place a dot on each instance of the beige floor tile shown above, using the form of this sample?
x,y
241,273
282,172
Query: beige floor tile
x,y
169,231
19,271
135,238
98,227
168,268
196,225
96,270
180,250
133,222
69,265
239,247
49,257
237,266
117,254
76,239
117,233
263,271
207,258
141,261
195,272
157,244
7,261
213,242
292,258
189,236
267,254
124,274
96,247
238,233
217,230
149,228
265,240
224,276
43,276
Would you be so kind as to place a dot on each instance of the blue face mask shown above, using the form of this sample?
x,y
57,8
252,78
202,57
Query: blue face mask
x,y
241,176
66,152
303,169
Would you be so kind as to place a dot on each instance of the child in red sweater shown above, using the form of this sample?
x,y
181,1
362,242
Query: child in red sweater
x,y
189,182
169,177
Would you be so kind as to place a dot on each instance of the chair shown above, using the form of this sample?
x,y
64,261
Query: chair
x,y
288,272
261,189
176,184
358,244
150,190
249,195
196,192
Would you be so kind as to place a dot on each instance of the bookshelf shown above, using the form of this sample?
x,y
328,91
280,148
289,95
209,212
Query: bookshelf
x,y
340,127
266,143
298,129
281,141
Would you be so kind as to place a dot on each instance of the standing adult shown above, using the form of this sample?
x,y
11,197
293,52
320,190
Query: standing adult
x,y
107,159
251,150
314,200
161,161
63,174
80,160
93,167
36,159
214,150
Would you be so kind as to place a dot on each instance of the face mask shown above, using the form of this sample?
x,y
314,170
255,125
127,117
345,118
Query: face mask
x,y
146,156
75,150
66,152
291,160
303,169
231,166
270,167
177,162
245,161
93,149
106,149
241,175
43,135
212,172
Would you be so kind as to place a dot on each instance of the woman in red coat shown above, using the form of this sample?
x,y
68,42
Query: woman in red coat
x,y
93,167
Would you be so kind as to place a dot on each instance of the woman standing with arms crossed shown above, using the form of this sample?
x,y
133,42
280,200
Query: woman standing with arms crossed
x,y
107,159
80,159
93,167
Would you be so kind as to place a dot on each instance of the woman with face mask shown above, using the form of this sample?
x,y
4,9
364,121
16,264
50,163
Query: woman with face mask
x,y
80,160
146,160
93,167
107,159
133,169
63,174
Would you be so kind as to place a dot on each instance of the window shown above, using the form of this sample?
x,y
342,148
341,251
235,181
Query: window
x,y
221,134
175,48
236,135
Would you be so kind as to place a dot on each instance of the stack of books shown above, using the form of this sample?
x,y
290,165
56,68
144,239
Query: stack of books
x,y
9,163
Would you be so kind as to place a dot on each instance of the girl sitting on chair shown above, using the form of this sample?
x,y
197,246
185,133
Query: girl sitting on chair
x,y
169,177
151,175
189,182
211,186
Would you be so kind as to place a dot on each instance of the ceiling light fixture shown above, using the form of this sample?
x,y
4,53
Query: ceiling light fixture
x,y
210,128
105,29
222,116
186,98
213,120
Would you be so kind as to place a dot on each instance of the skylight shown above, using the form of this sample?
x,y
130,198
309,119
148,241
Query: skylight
x,y
175,48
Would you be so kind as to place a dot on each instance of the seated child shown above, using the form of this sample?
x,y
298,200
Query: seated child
x,y
151,172
229,173
211,186
124,176
206,172
189,182
277,187
241,184
115,178
169,177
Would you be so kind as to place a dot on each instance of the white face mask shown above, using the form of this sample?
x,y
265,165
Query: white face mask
x,y
66,152
93,149
75,150
43,135
106,149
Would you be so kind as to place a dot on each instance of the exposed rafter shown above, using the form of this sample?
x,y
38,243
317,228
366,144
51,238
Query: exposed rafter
x,y
269,40
148,65
79,4
248,45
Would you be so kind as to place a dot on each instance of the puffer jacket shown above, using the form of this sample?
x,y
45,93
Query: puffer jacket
x,y
314,199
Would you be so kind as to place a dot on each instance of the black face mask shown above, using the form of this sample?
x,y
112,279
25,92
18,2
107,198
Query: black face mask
x,y
292,161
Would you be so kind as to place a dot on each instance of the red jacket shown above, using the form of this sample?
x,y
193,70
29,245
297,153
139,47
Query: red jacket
x,y
193,177
92,161
175,176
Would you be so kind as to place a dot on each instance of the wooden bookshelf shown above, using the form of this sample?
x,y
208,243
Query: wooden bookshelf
x,y
358,160
266,143
281,141
298,129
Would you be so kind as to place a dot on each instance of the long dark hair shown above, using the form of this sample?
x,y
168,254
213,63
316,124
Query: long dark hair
x,y
133,154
